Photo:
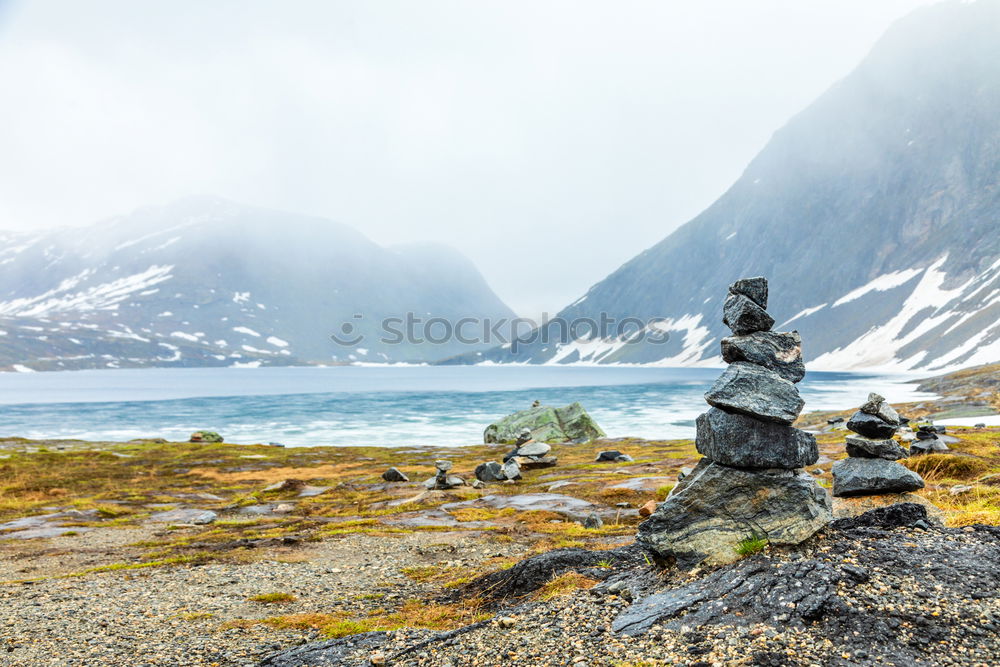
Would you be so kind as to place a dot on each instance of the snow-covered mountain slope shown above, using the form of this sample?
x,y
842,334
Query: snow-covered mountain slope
x,y
204,281
875,214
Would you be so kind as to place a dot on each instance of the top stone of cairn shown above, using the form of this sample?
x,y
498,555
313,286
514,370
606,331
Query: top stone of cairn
x,y
754,289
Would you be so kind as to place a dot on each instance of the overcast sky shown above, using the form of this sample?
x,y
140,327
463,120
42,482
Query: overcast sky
x,y
549,141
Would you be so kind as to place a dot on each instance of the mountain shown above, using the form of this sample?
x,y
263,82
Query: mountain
x,y
874,213
206,282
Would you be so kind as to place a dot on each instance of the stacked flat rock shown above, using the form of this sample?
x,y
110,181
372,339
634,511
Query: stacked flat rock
x,y
872,466
442,480
750,482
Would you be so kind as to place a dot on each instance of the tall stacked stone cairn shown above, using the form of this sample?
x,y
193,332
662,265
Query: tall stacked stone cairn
x,y
871,467
750,483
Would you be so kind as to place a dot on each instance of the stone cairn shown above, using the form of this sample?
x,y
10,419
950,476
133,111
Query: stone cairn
x,y
872,466
527,454
750,483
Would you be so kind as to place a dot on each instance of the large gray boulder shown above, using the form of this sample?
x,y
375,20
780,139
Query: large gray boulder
x,y
779,351
743,316
719,506
546,424
863,477
867,448
740,441
759,392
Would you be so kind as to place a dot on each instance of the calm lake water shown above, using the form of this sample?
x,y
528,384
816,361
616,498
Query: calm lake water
x,y
386,406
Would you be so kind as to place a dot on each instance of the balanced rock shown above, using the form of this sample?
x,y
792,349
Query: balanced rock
x,y
491,471
511,470
867,448
754,289
877,405
871,426
533,449
780,352
739,441
862,477
394,475
535,462
717,507
759,392
744,316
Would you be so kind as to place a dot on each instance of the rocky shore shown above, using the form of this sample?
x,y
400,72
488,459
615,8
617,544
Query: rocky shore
x,y
157,553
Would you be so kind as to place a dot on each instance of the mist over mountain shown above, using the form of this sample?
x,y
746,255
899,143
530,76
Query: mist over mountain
x,y
204,281
874,213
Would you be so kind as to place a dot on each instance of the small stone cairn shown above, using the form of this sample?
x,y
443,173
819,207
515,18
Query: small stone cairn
x,y
872,466
527,454
750,483
928,441
442,480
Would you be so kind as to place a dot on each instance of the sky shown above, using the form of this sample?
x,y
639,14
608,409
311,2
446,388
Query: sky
x,y
549,141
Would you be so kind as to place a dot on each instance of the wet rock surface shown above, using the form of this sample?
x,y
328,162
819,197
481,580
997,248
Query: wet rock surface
x,y
862,447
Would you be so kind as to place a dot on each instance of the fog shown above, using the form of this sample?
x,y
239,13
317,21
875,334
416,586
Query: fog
x,y
548,141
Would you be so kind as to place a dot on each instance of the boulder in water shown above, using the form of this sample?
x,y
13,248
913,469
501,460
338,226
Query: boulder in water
x,y
546,424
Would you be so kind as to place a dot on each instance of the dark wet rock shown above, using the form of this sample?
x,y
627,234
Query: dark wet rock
x,y
545,424
532,573
593,521
754,289
979,425
871,426
877,405
835,420
780,352
394,475
332,652
534,449
756,391
862,447
845,602
491,471
860,477
926,435
744,316
192,516
612,456
899,515
740,441
719,506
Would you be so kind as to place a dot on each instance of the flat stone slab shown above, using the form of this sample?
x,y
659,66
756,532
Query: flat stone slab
x,y
42,532
45,520
310,491
194,516
642,483
434,518
551,502
756,391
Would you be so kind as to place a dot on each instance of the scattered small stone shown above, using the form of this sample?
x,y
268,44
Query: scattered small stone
x,y
395,475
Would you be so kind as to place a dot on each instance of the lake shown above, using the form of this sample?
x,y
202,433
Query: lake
x,y
384,406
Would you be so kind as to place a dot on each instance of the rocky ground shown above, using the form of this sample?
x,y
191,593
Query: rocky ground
x,y
214,554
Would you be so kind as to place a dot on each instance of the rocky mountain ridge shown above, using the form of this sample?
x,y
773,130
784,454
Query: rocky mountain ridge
x,y
875,212
207,282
